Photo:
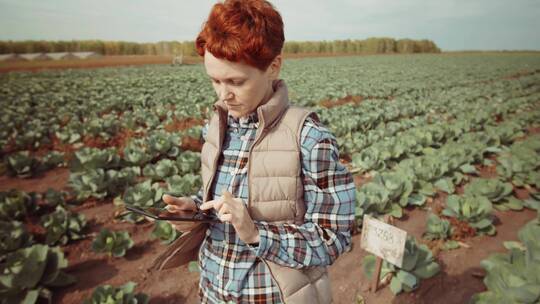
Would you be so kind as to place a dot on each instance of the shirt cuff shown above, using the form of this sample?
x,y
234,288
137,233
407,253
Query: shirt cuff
x,y
266,240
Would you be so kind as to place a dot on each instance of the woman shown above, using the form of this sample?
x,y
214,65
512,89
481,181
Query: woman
x,y
270,171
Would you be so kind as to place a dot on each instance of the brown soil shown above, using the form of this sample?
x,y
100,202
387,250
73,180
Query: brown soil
x,y
180,125
522,74
105,61
533,130
345,159
437,204
119,60
459,280
191,144
119,140
33,226
349,99
487,171
55,179
360,180
327,103
124,60
461,230
521,193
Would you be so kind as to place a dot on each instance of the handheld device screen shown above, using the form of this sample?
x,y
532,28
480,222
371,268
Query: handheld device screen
x,y
164,215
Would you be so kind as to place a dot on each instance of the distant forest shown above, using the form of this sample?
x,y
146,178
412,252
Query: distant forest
x,y
367,46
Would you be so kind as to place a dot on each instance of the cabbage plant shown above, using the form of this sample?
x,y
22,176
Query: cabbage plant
x,y
54,198
29,273
136,154
188,162
13,235
22,164
475,210
514,277
498,192
113,243
418,264
160,170
183,185
163,143
52,160
521,162
437,228
118,180
143,195
63,226
89,183
165,232
16,204
93,158
124,294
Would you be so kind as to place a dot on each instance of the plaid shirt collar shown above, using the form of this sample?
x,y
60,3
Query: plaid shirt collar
x,y
250,121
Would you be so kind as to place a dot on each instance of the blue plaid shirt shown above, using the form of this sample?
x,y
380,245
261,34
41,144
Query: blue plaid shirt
x,y
231,270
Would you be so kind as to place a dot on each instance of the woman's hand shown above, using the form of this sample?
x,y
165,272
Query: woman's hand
x,y
234,211
180,205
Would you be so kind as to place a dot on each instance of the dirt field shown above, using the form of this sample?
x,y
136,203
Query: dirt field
x,y
111,61
135,60
106,61
460,278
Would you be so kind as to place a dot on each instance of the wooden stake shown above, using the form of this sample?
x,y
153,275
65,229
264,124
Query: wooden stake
x,y
378,262
375,282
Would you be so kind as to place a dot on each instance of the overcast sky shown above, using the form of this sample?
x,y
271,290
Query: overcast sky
x,y
451,24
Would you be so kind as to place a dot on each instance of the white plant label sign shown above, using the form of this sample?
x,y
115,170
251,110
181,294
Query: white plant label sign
x,y
383,240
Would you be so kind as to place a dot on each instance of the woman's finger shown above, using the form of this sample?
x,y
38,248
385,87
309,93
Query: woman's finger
x,y
225,209
226,195
176,209
216,204
172,208
207,205
178,202
225,217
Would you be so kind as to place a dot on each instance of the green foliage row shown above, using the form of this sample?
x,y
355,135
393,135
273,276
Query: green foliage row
x,y
23,165
415,177
514,276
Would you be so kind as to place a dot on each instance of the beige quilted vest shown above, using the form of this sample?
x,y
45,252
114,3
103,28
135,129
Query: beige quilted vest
x,y
275,185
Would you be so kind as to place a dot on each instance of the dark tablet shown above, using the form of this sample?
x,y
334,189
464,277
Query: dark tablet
x,y
164,215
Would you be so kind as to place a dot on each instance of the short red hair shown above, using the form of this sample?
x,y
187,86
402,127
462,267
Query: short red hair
x,y
249,31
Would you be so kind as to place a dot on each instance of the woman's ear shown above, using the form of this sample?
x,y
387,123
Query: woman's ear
x,y
275,67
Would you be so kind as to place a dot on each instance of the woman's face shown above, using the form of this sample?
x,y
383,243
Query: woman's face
x,y
240,86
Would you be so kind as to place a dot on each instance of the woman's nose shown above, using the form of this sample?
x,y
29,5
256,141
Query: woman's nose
x,y
225,93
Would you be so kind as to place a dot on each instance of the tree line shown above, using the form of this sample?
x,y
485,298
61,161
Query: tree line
x,y
366,46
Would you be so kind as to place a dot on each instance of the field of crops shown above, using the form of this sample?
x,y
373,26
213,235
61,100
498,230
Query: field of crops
x,y
448,145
